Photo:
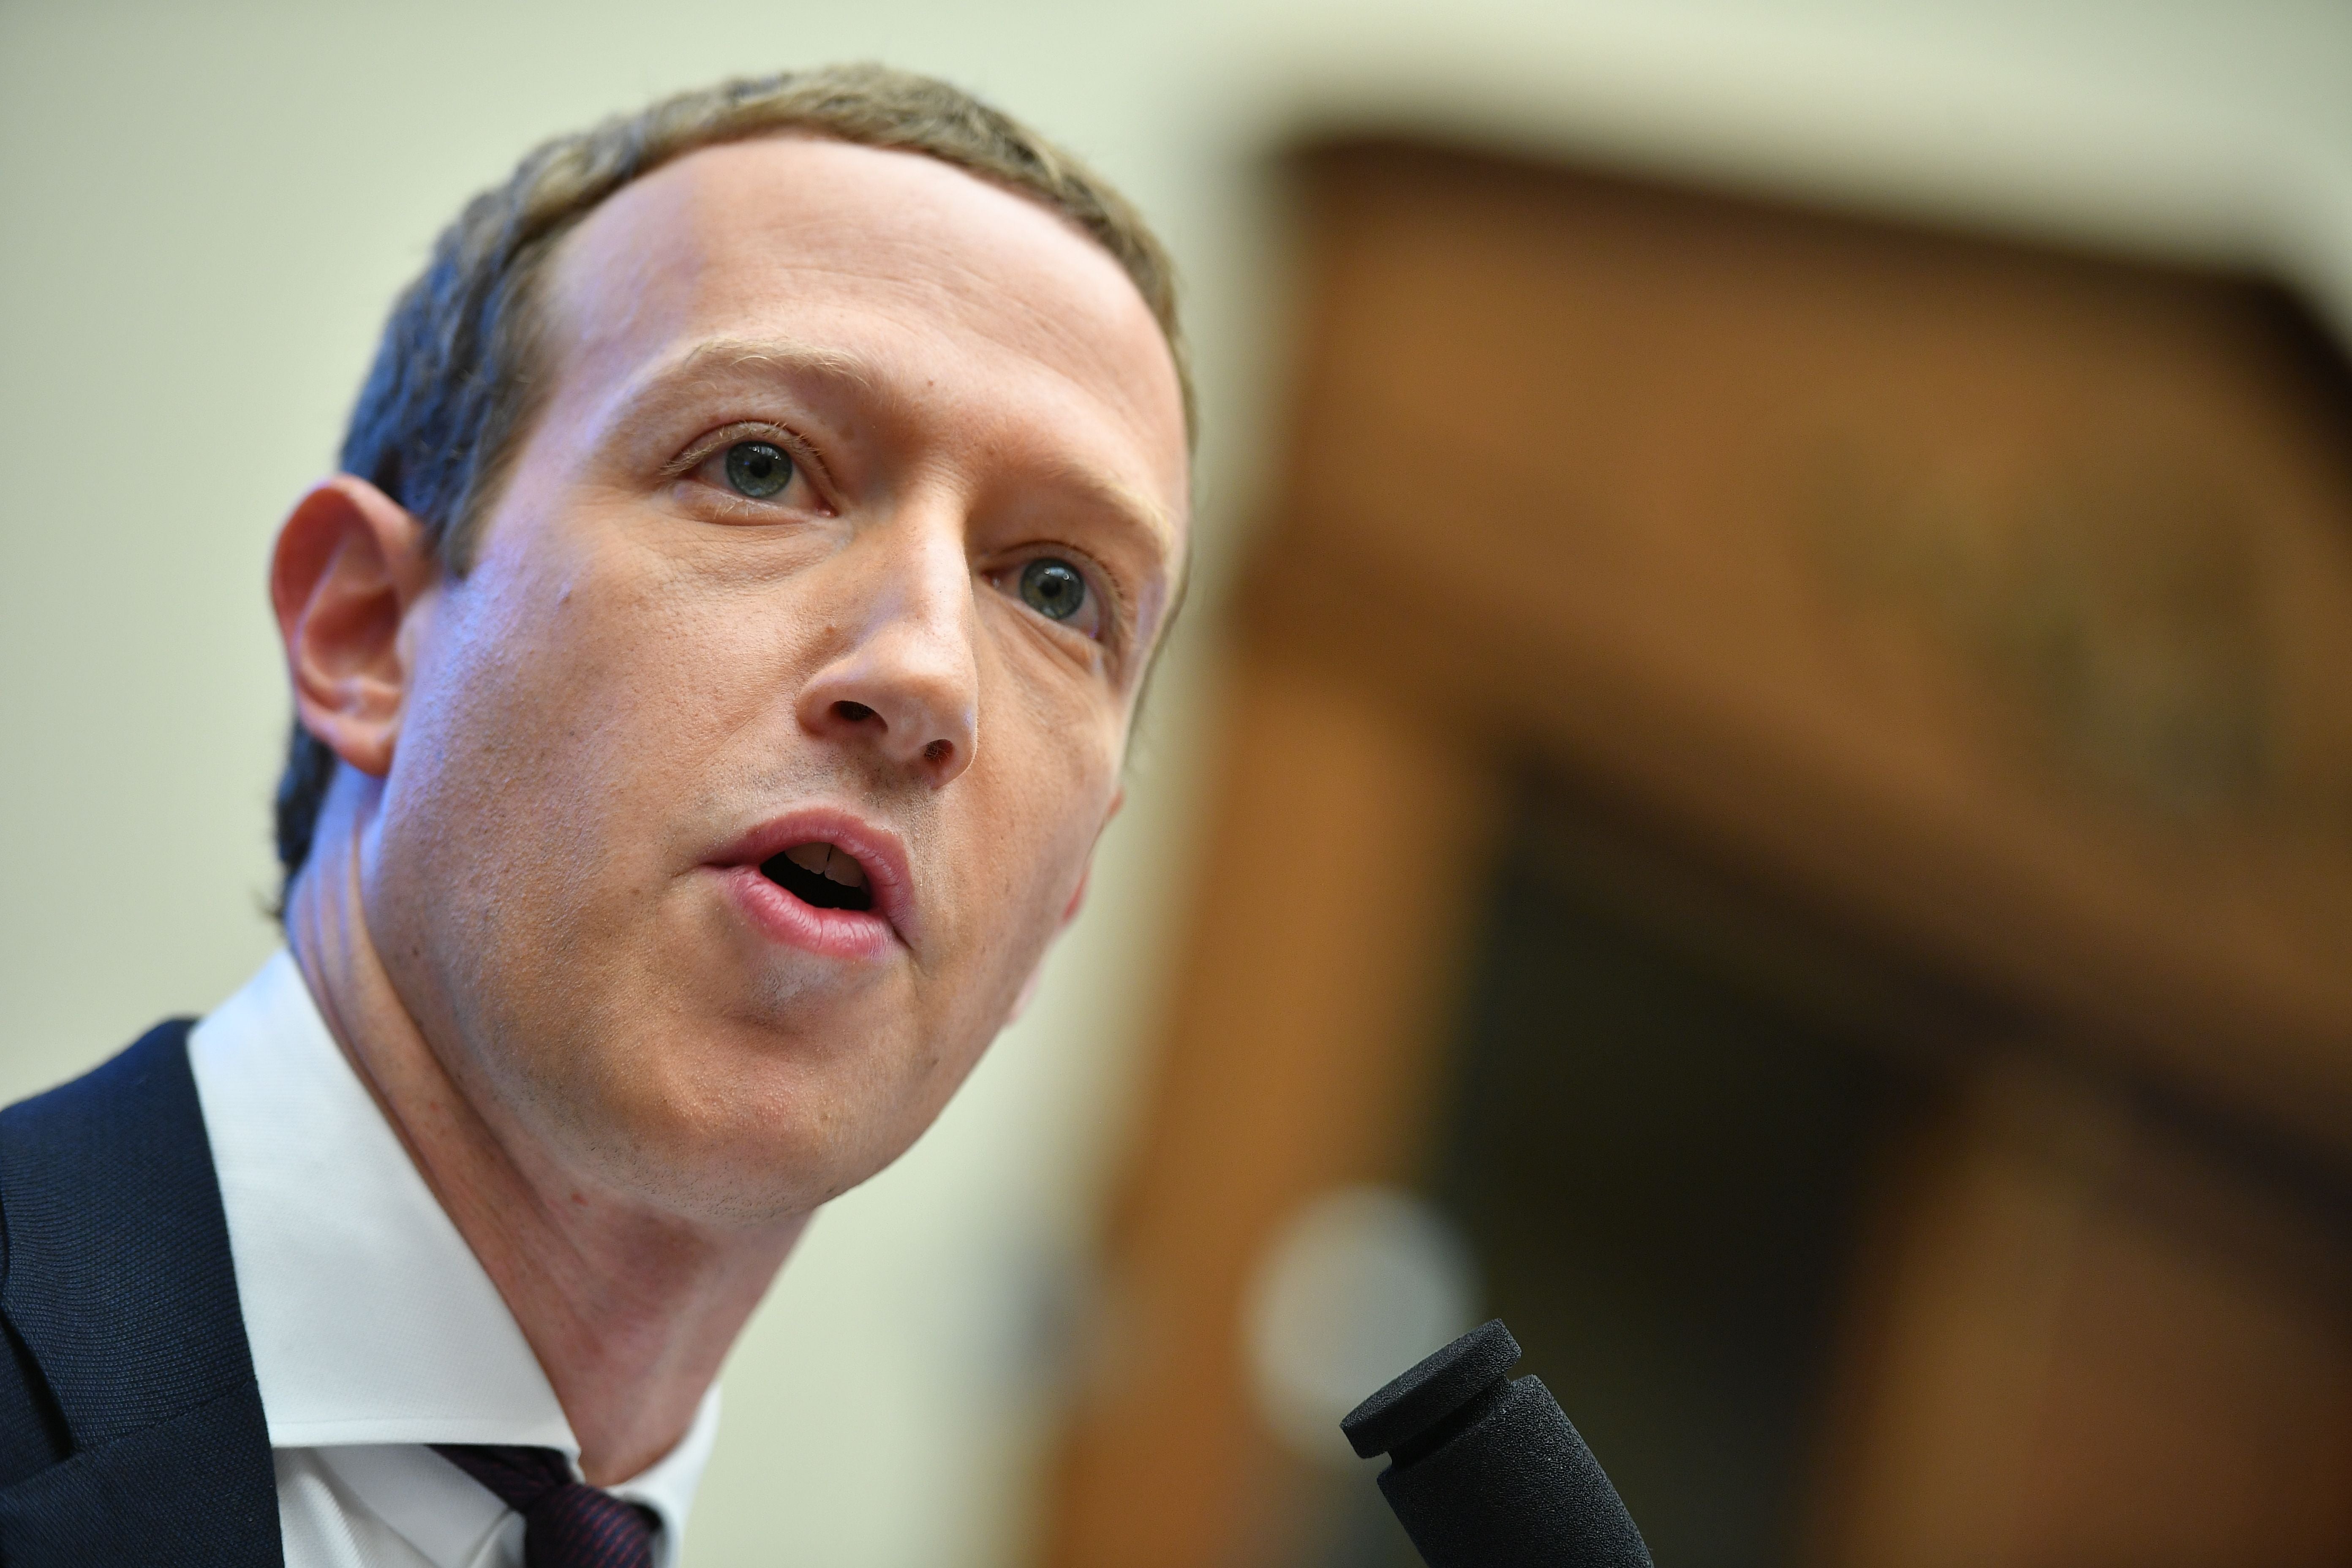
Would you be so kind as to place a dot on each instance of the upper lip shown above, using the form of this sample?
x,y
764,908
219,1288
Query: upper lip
x,y
876,851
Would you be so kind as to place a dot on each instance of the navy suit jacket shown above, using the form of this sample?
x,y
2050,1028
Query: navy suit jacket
x,y
130,1425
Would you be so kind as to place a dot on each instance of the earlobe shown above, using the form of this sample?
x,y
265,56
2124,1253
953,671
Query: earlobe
x,y
349,565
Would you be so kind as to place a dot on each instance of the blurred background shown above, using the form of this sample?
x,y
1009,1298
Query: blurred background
x,y
1758,778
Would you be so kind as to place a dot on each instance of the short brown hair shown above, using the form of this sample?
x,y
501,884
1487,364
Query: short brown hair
x,y
450,395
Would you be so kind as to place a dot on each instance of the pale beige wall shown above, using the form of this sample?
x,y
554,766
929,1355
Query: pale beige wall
x,y
203,211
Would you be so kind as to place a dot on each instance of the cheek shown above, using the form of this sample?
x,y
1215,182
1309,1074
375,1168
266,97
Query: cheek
x,y
525,760
596,687
1044,783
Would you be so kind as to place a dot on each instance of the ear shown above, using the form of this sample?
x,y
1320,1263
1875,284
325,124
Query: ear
x,y
350,564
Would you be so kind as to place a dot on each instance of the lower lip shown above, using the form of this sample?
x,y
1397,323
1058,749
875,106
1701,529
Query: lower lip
x,y
858,936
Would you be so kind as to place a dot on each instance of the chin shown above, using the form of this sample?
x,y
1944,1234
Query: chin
x,y
731,1177
753,1126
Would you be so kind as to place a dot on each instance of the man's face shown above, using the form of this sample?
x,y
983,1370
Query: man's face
x,y
746,774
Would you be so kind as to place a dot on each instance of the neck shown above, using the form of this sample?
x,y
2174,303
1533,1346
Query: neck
x,y
629,1309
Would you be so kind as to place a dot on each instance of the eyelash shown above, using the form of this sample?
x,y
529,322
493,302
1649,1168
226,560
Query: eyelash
x,y
804,456
1099,580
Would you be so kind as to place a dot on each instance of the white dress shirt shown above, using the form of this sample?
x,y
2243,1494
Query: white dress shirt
x,y
375,1329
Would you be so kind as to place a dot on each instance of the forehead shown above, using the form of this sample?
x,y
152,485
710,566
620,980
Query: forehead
x,y
933,287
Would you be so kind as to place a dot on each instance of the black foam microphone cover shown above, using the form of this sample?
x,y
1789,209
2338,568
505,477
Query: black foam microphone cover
x,y
1486,1471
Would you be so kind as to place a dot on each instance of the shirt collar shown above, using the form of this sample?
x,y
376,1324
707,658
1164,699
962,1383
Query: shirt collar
x,y
371,1319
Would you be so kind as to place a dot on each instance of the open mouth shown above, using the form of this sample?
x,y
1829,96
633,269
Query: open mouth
x,y
824,882
821,875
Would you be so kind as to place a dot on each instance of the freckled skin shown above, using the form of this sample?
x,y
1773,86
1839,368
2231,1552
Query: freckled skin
x,y
512,917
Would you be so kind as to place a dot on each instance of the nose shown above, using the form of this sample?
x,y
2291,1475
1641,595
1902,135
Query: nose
x,y
905,688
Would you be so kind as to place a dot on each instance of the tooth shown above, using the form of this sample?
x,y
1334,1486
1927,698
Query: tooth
x,y
845,870
808,856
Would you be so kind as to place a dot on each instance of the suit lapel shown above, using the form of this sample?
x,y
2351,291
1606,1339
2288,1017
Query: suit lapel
x,y
120,1283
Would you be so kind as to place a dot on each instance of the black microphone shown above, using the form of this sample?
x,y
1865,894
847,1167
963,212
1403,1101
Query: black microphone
x,y
1486,1470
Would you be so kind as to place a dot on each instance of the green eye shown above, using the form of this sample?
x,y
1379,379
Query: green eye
x,y
1052,588
758,468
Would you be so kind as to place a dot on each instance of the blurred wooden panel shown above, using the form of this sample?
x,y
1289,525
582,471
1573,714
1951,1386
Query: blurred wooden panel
x,y
2084,1340
2003,598
1345,843
1991,609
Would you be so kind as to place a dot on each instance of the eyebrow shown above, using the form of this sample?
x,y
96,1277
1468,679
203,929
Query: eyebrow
x,y
779,358
781,353
1132,507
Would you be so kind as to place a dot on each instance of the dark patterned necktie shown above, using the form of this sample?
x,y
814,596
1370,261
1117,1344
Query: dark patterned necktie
x,y
564,1523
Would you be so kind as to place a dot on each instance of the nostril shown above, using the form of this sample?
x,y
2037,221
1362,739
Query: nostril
x,y
939,751
854,713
